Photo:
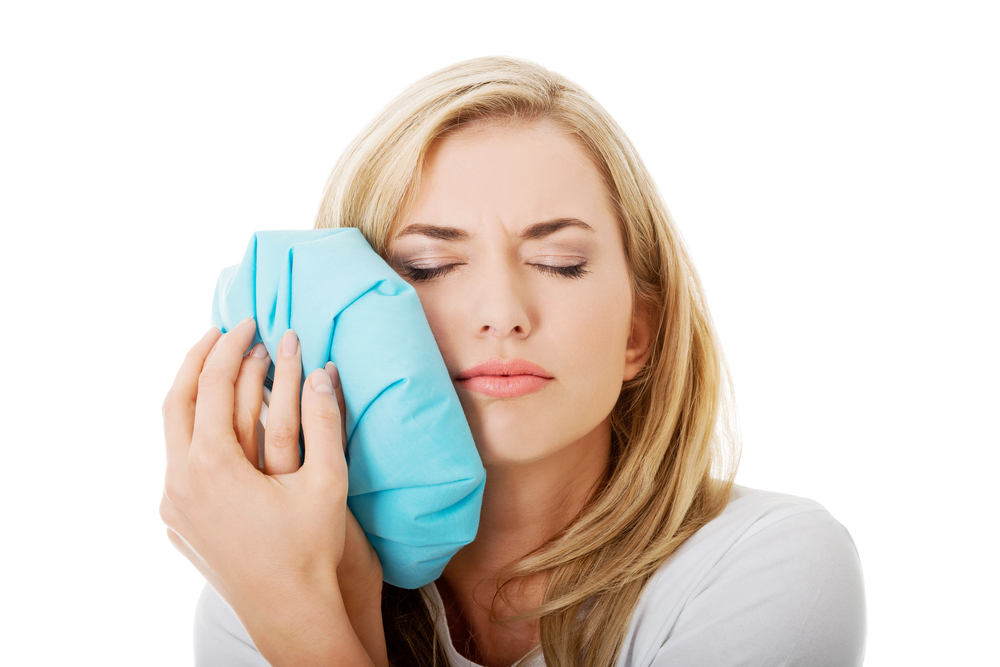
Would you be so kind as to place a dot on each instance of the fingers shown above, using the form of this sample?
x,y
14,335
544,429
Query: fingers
x,y
249,392
334,372
281,436
213,420
179,405
322,423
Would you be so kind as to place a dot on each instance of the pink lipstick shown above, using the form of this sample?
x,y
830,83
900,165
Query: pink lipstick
x,y
504,379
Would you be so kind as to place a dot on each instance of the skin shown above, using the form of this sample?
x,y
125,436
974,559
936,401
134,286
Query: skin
x,y
495,283
276,544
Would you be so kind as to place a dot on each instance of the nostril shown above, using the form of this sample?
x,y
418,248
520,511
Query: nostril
x,y
491,330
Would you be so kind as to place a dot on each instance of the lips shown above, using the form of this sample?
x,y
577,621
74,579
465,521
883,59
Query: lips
x,y
504,379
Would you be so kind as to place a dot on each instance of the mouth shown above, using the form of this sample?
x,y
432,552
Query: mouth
x,y
504,379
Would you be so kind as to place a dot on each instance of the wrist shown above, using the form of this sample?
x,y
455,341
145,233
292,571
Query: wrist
x,y
360,583
303,623
361,592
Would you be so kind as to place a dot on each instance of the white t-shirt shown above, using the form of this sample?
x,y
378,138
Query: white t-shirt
x,y
773,580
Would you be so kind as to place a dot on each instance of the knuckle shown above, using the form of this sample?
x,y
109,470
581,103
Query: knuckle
x,y
210,377
330,486
243,421
168,512
282,431
203,459
175,492
327,418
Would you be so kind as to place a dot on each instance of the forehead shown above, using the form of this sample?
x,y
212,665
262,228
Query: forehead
x,y
516,174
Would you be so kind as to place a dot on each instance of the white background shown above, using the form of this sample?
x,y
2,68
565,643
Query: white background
x,y
833,167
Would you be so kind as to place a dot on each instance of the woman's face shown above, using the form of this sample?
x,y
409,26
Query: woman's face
x,y
516,254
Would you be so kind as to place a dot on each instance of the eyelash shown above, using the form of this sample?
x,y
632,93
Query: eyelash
x,y
420,275
574,271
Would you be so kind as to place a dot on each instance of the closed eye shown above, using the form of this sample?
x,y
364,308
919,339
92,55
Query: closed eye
x,y
574,271
417,274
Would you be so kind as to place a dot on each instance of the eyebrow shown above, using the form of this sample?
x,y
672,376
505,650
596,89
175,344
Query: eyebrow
x,y
436,232
536,231
542,229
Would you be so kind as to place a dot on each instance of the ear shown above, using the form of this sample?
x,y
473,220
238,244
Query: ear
x,y
639,345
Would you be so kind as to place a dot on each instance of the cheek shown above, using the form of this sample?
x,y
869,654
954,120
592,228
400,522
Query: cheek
x,y
601,317
433,302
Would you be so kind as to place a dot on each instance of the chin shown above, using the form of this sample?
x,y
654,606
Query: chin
x,y
523,444
507,435
494,456
519,432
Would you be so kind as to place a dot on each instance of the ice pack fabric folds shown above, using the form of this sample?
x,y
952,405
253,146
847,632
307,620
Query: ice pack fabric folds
x,y
415,480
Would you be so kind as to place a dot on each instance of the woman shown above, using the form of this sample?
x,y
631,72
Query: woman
x,y
571,320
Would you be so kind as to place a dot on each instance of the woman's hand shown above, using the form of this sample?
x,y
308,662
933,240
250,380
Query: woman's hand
x,y
359,572
276,543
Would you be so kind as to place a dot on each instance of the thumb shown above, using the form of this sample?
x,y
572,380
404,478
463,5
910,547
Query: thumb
x,y
334,372
322,424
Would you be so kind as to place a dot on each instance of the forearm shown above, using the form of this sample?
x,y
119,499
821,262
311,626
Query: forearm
x,y
313,627
364,607
359,577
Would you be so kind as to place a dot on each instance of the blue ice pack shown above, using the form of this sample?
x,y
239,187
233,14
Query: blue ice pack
x,y
415,480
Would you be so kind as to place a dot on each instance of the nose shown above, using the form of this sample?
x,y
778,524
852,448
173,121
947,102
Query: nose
x,y
501,306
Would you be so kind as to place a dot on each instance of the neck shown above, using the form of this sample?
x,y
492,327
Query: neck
x,y
524,505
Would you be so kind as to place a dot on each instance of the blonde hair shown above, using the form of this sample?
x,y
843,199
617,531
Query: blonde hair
x,y
672,460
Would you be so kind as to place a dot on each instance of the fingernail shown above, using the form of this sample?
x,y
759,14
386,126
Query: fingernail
x,y
259,351
242,322
331,369
289,344
210,332
321,383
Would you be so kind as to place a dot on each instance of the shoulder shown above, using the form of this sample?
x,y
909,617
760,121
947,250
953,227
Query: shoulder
x,y
774,579
219,637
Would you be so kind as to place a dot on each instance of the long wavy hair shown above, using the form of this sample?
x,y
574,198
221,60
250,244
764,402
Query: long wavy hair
x,y
673,449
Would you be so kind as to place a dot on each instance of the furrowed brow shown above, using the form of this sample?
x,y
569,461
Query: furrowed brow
x,y
542,229
435,232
